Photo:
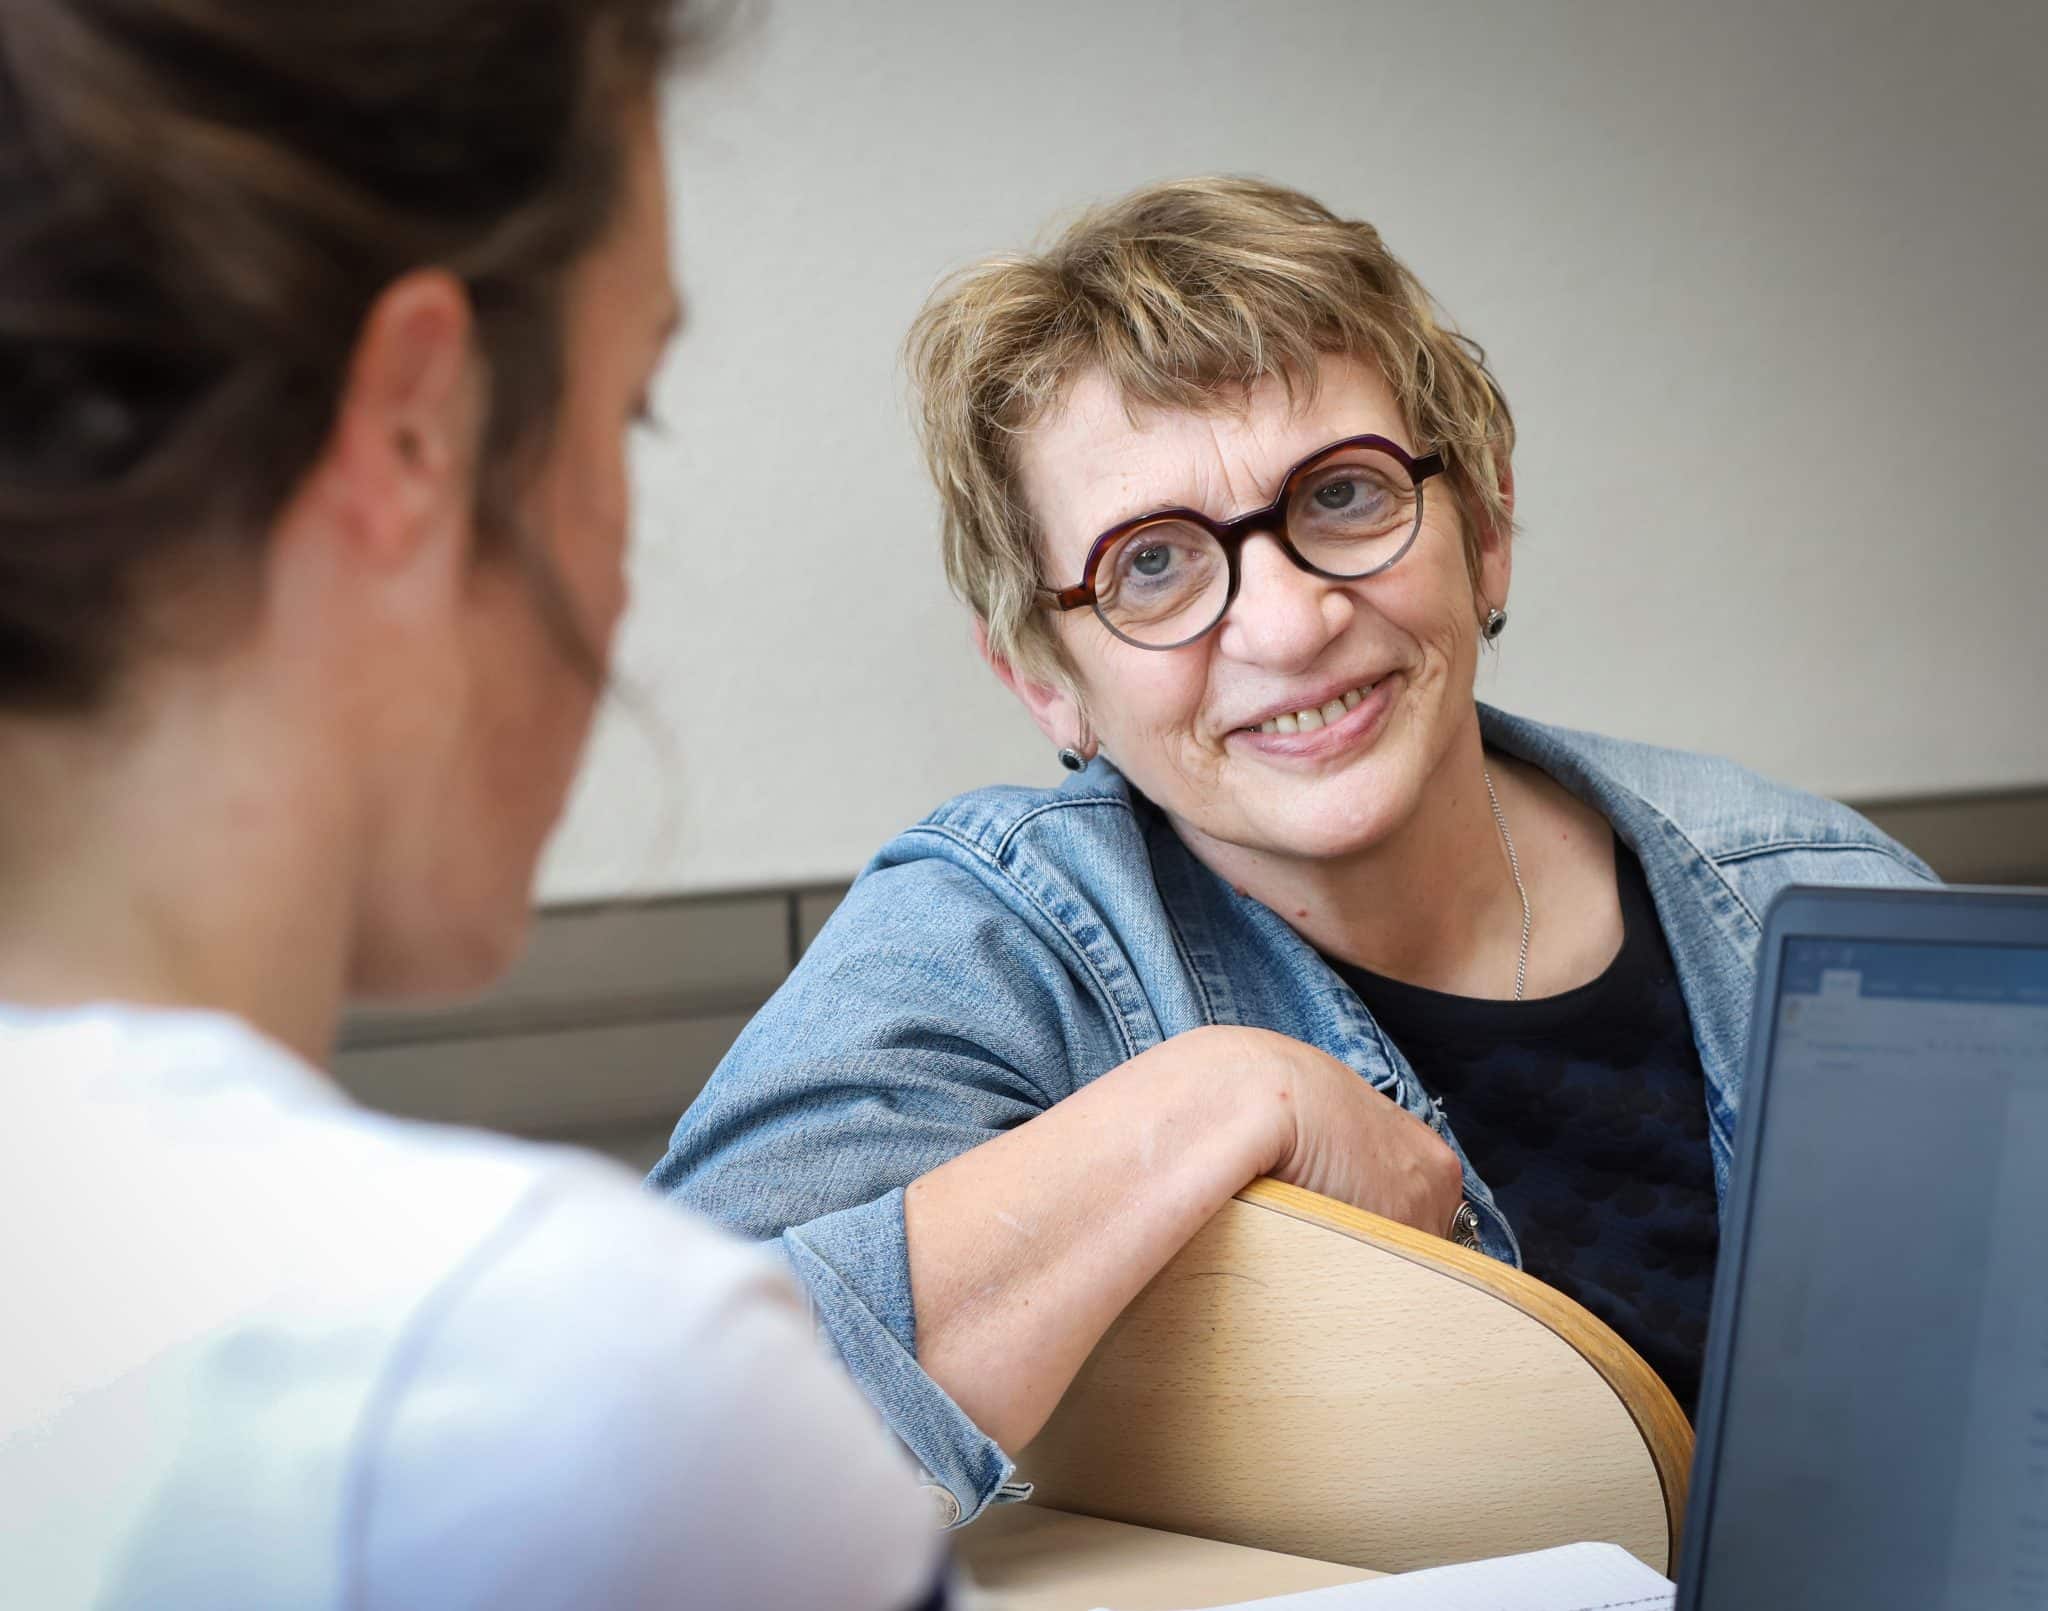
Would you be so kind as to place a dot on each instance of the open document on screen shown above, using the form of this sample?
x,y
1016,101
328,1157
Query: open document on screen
x,y
1885,1434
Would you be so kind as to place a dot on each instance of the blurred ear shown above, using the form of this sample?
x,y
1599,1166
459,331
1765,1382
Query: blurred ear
x,y
399,466
1056,711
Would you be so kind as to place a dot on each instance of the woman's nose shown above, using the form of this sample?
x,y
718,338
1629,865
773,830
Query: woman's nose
x,y
1283,616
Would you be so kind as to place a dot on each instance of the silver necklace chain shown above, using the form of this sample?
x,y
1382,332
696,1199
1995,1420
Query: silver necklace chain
x,y
1514,867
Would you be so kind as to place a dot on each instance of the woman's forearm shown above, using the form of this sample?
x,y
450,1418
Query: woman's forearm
x,y
1023,1250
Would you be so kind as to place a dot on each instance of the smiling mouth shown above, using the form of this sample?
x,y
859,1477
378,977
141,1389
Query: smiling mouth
x,y
1308,719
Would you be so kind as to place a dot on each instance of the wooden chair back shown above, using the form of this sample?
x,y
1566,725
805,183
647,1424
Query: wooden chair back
x,y
1307,1378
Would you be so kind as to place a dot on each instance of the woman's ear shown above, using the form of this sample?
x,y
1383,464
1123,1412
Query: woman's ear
x,y
1496,549
401,457
368,558
1056,711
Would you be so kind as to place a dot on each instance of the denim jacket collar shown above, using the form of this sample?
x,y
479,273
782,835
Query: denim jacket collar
x,y
1712,933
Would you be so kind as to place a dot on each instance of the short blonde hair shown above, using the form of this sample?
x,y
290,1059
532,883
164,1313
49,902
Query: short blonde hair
x,y
1183,294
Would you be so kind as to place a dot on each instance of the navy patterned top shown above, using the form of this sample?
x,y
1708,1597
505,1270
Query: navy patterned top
x,y
1586,1114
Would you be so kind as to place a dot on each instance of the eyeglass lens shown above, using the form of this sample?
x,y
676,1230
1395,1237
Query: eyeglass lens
x,y
1348,514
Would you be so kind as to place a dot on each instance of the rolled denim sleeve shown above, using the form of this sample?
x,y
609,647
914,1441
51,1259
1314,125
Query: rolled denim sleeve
x,y
931,1016
873,1330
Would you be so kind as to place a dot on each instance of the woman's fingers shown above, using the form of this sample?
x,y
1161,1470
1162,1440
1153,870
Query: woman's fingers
x,y
1354,1144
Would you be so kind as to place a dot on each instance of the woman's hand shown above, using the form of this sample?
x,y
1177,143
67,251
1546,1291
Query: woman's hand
x,y
1023,1249
1336,1135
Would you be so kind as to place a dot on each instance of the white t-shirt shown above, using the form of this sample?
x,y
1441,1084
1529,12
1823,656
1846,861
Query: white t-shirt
x,y
264,1349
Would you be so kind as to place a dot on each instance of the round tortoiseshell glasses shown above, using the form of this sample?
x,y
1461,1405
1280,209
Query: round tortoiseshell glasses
x,y
1346,511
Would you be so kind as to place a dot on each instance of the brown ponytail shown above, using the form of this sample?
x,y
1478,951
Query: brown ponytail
x,y
200,200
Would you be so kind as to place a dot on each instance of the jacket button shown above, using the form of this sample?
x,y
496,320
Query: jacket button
x,y
944,1506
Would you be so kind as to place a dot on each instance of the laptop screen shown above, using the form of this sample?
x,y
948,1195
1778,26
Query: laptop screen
x,y
1884,1439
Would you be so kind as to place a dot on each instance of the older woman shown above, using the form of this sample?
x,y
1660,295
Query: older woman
x,y
1233,506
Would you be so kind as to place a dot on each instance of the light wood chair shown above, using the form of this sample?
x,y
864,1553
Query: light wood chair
x,y
1308,1378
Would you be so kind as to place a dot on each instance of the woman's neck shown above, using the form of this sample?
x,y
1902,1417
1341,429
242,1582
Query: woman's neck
x,y
177,861
1433,903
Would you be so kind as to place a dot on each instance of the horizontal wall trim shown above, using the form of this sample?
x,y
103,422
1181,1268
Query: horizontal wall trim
x,y
469,1020
1961,799
684,958
611,904
1993,837
613,1076
618,1012
700,955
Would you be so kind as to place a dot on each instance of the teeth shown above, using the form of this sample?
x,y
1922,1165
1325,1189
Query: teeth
x,y
1307,721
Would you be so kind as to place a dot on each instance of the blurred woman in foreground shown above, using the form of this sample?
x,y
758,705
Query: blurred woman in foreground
x,y
322,332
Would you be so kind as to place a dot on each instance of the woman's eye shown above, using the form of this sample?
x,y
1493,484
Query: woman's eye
x,y
1161,563
1336,494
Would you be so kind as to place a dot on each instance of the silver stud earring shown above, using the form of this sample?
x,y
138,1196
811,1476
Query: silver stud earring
x,y
1496,623
1073,760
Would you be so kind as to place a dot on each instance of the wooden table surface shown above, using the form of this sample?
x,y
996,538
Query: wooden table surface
x,y
1028,1558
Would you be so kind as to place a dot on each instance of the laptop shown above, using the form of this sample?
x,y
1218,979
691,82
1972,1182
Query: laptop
x,y
1873,1427
1873,1423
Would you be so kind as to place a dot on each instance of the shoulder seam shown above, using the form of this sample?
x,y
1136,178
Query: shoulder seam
x,y
1777,846
999,825
982,854
1714,862
411,1343
1017,827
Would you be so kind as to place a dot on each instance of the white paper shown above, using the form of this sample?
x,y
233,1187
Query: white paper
x,y
1577,1577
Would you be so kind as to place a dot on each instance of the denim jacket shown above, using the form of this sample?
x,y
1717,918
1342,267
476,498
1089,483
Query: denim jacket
x,y
1018,943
